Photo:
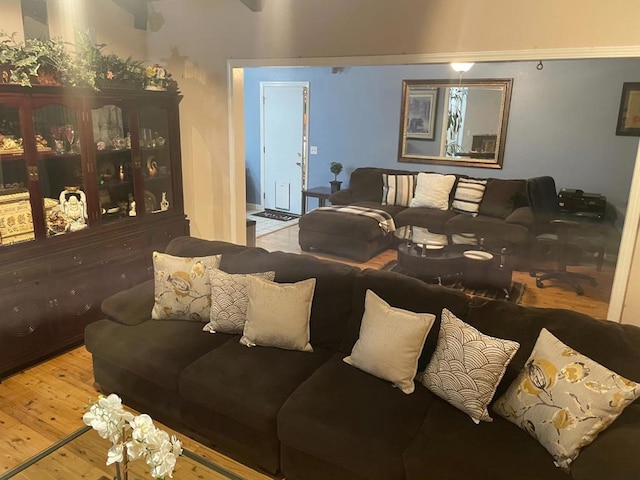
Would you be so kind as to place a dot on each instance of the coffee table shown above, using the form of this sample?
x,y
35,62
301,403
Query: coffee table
x,y
83,455
475,261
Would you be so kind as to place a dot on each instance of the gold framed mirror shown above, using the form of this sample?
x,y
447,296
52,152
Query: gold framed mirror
x,y
454,122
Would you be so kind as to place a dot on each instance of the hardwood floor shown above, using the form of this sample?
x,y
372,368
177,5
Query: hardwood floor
x,y
41,405
45,403
594,302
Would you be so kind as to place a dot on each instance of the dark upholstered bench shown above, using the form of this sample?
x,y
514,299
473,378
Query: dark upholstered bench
x,y
344,234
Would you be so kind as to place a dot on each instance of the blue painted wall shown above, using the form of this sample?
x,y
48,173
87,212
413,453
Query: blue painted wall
x,y
562,121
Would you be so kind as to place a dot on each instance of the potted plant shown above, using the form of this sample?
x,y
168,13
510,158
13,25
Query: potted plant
x,y
335,168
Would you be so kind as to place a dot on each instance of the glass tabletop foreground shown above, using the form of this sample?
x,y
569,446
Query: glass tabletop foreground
x,y
83,455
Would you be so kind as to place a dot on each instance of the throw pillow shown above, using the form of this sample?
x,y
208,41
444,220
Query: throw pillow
x,y
468,195
500,196
433,190
278,314
229,300
398,189
182,287
390,342
564,399
467,366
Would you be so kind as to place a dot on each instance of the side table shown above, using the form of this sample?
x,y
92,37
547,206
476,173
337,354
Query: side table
x,y
321,193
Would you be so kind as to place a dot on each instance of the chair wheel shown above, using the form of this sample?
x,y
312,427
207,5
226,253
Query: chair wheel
x,y
533,273
539,283
579,290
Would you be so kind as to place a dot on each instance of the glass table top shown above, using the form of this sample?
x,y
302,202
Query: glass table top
x,y
83,455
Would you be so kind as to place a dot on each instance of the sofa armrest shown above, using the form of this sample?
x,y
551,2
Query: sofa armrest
x,y
614,453
521,216
342,197
132,306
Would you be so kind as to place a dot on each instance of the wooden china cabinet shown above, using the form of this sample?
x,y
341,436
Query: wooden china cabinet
x,y
90,185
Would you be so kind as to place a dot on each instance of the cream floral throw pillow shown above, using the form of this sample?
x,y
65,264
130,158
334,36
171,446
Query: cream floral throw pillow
x,y
564,399
467,366
229,300
182,287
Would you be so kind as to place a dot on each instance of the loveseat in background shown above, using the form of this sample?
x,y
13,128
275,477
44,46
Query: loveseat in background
x,y
504,215
312,416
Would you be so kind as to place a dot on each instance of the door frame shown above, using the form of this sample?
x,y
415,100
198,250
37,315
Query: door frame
x,y
305,135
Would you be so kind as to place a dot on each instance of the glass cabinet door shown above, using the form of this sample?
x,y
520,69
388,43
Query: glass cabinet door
x,y
60,168
155,159
114,167
16,219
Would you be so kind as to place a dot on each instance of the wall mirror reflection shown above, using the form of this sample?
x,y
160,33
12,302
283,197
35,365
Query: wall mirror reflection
x,y
454,122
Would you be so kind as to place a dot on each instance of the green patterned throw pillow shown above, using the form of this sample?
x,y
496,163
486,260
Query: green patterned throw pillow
x,y
564,399
182,287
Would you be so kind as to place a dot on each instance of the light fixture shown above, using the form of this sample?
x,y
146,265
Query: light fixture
x,y
461,67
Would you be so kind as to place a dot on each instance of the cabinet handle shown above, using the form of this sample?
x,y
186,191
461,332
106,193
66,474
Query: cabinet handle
x,y
77,260
34,176
17,278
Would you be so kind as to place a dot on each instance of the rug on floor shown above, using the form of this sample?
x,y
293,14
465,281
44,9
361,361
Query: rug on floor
x,y
276,215
516,290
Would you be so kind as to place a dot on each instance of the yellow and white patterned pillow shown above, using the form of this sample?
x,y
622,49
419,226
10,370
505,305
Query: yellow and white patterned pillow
x,y
564,399
182,287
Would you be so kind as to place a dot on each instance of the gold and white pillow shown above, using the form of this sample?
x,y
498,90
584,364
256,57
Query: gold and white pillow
x,y
229,300
182,288
278,314
467,366
390,342
564,399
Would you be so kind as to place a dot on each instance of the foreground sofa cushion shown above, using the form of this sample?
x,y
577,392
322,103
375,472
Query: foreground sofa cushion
x,y
157,350
564,399
352,420
233,395
390,342
450,447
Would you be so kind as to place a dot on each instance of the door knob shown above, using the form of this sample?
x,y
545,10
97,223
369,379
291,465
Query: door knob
x,y
298,163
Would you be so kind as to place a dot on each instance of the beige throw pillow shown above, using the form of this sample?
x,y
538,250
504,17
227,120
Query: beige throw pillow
x,y
229,300
564,399
390,342
433,190
278,314
182,287
467,366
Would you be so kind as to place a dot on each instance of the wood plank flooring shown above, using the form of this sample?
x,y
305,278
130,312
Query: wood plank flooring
x,y
41,405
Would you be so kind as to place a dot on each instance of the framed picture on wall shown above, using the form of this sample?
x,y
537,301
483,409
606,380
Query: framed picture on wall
x,y
419,111
629,116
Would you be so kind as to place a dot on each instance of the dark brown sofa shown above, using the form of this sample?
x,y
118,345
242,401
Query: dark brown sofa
x,y
504,215
312,416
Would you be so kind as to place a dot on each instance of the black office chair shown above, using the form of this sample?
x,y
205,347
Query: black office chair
x,y
567,236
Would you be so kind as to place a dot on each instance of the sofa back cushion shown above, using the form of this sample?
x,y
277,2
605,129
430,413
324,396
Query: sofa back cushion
x,y
331,307
366,183
613,345
501,197
407,293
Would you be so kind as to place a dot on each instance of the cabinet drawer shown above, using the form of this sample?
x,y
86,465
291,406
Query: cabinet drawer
x,y
123,248
79,259
22,275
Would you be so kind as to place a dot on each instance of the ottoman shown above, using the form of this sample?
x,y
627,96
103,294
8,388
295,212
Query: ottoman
x,y
344,234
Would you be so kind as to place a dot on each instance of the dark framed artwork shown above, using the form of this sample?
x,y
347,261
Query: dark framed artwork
x,y
419,112
629,115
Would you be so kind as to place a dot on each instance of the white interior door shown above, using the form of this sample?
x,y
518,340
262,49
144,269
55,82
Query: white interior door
x,y
283,139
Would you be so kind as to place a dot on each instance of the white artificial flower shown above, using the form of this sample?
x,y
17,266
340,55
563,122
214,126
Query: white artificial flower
x,y
115,454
